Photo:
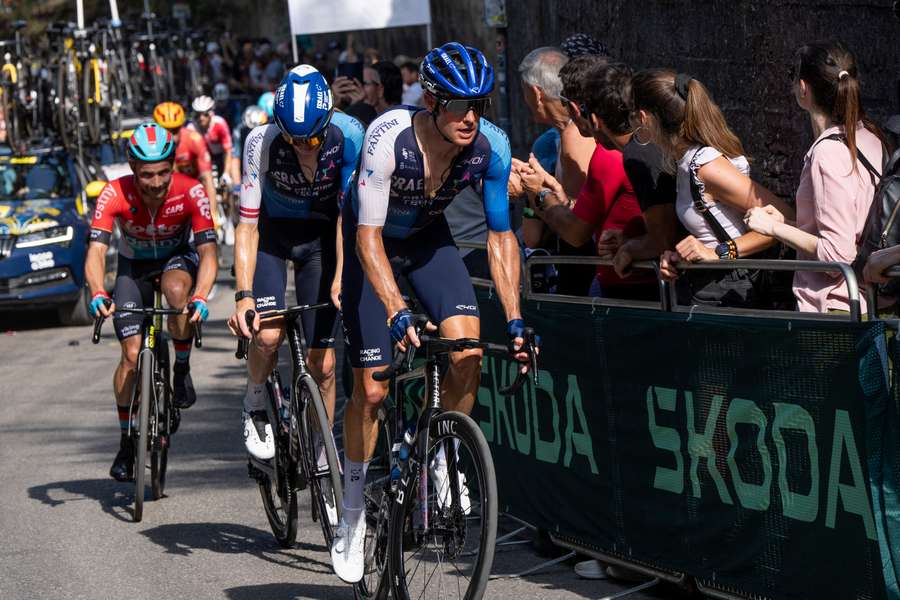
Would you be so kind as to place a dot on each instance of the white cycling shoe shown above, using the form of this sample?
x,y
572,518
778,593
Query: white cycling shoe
x,y
258,438
348,550
441,481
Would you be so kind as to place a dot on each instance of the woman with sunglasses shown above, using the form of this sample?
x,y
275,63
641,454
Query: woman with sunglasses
x,y
295,174
414,163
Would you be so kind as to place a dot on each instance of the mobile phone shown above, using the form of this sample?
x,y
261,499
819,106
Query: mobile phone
x,y
350,71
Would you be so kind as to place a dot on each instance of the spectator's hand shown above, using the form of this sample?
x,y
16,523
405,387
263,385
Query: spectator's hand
x,y
761,220
668,265
347,91
622,262
691,249
609,243
514,187
878,263
547,180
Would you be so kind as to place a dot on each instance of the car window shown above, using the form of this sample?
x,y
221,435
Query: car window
x,y
22,181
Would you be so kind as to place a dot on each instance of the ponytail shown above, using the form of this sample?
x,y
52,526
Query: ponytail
x,y
705,124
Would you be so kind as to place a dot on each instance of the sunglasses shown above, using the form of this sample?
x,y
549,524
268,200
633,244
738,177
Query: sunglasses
x,y
312,142
581,107
462,106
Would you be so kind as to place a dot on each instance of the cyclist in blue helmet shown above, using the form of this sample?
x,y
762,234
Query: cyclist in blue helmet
x,y
157,211
296,171
415,161
265,102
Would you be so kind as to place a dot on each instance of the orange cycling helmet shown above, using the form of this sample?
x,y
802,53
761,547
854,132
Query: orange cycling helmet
x,y
169,114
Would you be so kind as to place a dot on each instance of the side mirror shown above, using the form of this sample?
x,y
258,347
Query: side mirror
x,y
94,188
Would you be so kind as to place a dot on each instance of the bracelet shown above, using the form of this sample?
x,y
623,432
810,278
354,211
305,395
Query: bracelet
x,y
732,250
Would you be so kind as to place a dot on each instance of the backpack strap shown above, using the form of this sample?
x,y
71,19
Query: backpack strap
x,y
697,190
840,137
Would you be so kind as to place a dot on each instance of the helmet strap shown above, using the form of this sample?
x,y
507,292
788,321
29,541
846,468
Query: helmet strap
x,y
434,116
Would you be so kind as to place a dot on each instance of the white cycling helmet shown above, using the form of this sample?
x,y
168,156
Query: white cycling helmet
x,y
203,104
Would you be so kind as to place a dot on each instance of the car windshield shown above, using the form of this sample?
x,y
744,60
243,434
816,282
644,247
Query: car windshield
x,y
27,179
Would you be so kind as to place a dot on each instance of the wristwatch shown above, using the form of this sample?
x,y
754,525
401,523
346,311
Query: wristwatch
x,y
539,199
727,250
241,294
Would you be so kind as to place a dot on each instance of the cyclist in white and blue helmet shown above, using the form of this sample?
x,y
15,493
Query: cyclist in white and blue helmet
x,y
296,172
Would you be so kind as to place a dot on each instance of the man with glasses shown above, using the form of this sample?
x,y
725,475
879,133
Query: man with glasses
x,y
191,154
295,174
414,162
217,135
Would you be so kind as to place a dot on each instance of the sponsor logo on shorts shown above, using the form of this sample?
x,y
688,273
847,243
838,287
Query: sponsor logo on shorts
x,y
130,330
370,354
468,307
326,340
266,302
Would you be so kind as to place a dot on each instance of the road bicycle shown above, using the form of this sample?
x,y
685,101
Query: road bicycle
x,y
431,507
157,418
305,451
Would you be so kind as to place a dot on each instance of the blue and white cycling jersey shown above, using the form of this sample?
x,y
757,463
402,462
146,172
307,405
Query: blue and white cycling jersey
x,y
274,187
390,190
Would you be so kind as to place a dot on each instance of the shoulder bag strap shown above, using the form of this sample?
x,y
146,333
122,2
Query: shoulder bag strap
x,y
700,205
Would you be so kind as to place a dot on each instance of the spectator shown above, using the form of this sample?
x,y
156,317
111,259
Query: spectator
x,y
836,187
568,158
678,114
412,89
215,62
595,94
383,86
371,56
582,44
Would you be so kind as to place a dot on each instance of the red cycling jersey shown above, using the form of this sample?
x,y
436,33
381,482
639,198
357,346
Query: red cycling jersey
x,y
191,155
153,236
217,135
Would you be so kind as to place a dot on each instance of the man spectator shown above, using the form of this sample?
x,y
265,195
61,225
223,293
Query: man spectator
x,y
541,87
383,85
412,89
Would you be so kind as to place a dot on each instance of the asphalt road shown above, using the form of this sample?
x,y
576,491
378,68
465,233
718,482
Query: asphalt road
x,y
66,529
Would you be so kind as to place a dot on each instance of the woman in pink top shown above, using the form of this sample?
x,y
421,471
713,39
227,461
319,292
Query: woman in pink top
x,y
836,189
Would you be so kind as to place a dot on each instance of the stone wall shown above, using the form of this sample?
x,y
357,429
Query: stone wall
x,y
740,49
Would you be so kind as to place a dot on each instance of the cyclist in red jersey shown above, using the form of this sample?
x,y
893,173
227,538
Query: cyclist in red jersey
x,y
191,154
217,135
156,210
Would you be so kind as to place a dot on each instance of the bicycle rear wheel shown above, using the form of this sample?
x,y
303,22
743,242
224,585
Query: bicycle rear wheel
x,y
91,99
319,452
279,495
67,112
145,363
447,550
159,455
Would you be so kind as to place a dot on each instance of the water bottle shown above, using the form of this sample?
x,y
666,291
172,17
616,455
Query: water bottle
x,y
400,452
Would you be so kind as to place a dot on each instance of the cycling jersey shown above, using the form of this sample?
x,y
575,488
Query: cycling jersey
x,y
217,136
274,186
191,155
153,236
390,192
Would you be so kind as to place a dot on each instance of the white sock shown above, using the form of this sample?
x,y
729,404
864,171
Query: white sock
x,y
255,399
440,457
354,482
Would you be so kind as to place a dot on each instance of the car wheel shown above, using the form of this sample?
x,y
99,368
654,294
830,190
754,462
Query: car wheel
x,y
76,313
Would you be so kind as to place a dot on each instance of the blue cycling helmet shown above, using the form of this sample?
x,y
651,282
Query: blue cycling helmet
x,y
150,143
456,71
265,102
303,105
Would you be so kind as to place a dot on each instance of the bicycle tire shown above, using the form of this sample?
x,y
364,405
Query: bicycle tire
x,y
375,584
90,106
65,125
159,456
283,519
316,419
470,435
140,463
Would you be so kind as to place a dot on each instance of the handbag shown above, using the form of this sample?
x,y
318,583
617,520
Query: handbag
x,y
738,288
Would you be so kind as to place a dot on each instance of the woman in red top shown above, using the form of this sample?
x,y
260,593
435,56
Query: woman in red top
x,y
596,95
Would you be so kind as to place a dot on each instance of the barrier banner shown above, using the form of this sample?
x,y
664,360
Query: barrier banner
x,y
758,456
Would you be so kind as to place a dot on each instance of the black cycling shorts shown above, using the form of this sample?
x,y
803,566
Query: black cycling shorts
x,y
430,262
133,292
314,264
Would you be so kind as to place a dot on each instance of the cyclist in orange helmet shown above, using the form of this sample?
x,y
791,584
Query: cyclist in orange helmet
x,y
191,153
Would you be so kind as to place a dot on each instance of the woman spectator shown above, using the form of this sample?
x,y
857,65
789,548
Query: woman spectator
x,y
836,185
714,189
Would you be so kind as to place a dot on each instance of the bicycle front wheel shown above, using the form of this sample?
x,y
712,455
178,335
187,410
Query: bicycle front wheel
x,y
91,99
320,456
162,415
378,497
443,529
143,433
279,491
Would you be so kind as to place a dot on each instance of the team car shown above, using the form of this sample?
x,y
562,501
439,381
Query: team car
x,y
44,222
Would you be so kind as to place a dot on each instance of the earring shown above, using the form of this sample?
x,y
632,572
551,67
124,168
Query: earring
x,y
637,138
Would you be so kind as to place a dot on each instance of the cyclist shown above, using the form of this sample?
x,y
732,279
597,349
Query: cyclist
x,y
295,174
413,164
191,154
156,210
217,135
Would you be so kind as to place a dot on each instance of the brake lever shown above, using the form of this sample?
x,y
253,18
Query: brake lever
x,y
98,323
198,329
244,343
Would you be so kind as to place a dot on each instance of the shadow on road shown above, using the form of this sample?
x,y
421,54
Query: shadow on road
x,y
289,591
230,538
115,498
